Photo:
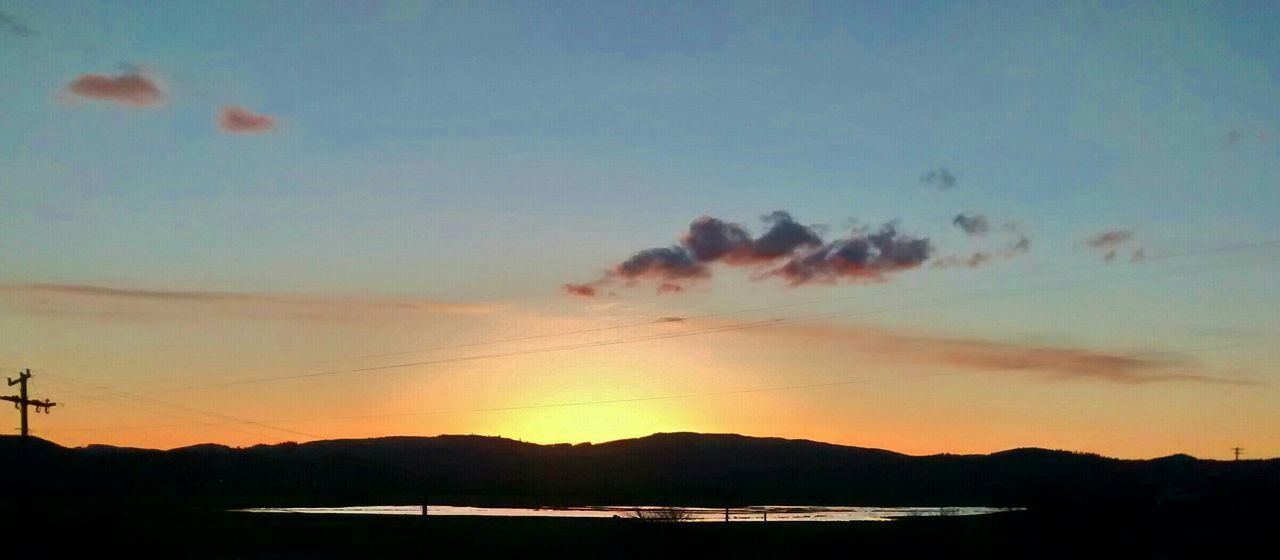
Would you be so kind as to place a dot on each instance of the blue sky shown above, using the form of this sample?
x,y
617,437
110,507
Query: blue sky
x,y
494,151
467,122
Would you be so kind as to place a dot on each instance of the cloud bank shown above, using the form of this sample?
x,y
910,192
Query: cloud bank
x,y
788,250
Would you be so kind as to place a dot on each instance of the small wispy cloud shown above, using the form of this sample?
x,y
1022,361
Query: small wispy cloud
x,y
1060,363
972,224
584,290
1256,134
243,121
940,178
14,25
132,303
976,226
1109,239
132,89
1110,242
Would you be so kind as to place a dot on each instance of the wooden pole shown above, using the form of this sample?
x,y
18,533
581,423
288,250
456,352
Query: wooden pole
x,y
22,402
22,392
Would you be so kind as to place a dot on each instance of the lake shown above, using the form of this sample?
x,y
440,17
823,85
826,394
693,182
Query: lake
x,y
754,513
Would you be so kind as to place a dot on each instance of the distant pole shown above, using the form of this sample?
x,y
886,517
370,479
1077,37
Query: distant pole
x,y
23,376
21,402
726,514
1237,451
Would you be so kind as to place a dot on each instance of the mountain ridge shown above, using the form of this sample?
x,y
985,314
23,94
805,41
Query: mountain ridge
x,y
666,468
651,437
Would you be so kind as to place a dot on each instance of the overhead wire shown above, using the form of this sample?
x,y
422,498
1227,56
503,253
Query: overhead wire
x,y
705,330
730,392
1216,250
231,420
190,420
182,407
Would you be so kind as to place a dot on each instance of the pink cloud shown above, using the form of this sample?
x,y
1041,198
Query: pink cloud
x,y
584,290
126,89
670,288
889,346
243,121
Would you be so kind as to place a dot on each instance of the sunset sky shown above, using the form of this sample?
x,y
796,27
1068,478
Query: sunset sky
x,y
944,227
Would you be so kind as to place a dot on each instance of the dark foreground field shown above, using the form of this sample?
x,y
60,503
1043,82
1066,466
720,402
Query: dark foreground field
x,y
88,502
214,534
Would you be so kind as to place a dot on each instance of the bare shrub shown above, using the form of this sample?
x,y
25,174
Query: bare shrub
x,y
661,514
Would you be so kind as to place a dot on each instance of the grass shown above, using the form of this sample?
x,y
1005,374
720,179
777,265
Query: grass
x,y
217,534
661,514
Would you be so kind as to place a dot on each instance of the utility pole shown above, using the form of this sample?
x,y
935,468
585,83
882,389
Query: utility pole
x,y
21,402
1237,451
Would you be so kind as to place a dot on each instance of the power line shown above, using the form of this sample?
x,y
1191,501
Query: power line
x,y
177,406
1216,250
702,331
190,420
691,332
777,388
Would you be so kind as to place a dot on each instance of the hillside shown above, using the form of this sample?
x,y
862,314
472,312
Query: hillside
x,y
680,468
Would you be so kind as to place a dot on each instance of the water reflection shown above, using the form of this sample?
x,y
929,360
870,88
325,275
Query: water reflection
x,y
754,513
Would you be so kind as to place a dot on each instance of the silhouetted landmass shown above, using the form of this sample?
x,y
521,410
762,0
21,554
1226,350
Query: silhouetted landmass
x,y
1023,534
672,469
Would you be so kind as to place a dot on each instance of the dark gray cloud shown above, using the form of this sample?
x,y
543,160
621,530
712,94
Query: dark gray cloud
x,y
804,255
940,178
975,224
783,238
860,256
710,239
11,23
662,262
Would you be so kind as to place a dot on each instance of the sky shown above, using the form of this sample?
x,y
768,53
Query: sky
x,y
928,227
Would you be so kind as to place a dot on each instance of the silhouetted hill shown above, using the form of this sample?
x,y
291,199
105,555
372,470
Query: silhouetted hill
x,y
678,468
